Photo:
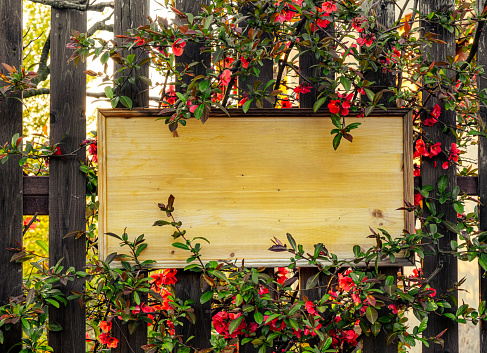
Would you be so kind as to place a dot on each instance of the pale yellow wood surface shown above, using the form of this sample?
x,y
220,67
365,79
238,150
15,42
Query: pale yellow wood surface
x,y
240,181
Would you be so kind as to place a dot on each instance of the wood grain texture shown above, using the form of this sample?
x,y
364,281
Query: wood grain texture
x,y
67,184
192,51
266,70
187,286
280,173
482,180
448,275
10,173
385,11
132,14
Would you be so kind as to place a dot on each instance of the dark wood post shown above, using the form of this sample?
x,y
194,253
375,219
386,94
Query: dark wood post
x,y
132,14
10,173
383,80
67,184
431,170
188,285
482,186
266,70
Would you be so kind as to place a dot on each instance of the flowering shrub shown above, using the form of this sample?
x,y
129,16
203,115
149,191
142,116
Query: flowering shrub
x,y
249,305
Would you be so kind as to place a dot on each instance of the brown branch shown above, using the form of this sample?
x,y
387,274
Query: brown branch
x,y
57,4
100,26
43,70
475,44
40,91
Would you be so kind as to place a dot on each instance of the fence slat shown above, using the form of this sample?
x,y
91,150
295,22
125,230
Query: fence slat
x,y
131,14
188,285
67,184
385,11
448,274
482,180
10,173
266,70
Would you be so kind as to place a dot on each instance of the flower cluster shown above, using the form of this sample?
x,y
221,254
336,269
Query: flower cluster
x,y
342,105
104,337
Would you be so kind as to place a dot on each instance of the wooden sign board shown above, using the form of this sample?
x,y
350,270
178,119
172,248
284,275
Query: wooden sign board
x,y
241,180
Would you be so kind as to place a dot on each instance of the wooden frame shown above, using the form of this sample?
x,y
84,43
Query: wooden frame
x,y
270,178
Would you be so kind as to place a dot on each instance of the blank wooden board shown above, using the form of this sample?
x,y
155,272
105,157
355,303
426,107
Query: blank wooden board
x,y
240,181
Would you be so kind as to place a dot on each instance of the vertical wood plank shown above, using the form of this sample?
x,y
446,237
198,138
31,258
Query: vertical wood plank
x,y
382,80
266,70
188,285
67,184
131,14
448,274
482,185
11,209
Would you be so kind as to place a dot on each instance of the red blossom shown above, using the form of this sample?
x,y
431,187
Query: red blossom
x,y
345,282
139,41
225,77
393,308
417,198
103,338
310,308
27,221
417,170
367,40
328,7
112,342
177,47
285,103
281,275
303,87
435,149
357,23
245,62
57,151
105,326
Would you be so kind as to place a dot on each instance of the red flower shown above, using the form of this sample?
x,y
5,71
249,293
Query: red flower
x,y
244,99
345,282
393,308
417,198
177,47
310,308
112,342
281,275
430,121
225,77
420,149
105,326
103,338
322,23
303,87
27,221
228,61
333,107
435,149
357,23
139,41
417,170
436,111
328,7
367,40
57,151
285,103
170,95
245,62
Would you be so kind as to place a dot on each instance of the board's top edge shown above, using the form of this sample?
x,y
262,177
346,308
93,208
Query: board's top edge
x,y
251,113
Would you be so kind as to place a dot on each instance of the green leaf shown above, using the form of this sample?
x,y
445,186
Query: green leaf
x,y
180,246
206,296
136,298
423,325
42,244
442,183
54,326
369,93
483,261
126,101
199,111
327,344
204,85
104,58
375,328
53,302
258,317
238,299
109,92
311,282
291,240
246,105
371,314
336,141
346,83
458,207
319,103
235,324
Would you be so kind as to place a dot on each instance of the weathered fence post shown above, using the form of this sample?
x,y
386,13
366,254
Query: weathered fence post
x,y
482,187
188,285
10,173
385,11
431,170
131,14
67,184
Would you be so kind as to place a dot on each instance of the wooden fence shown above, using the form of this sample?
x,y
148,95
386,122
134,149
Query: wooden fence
x,y
62,194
